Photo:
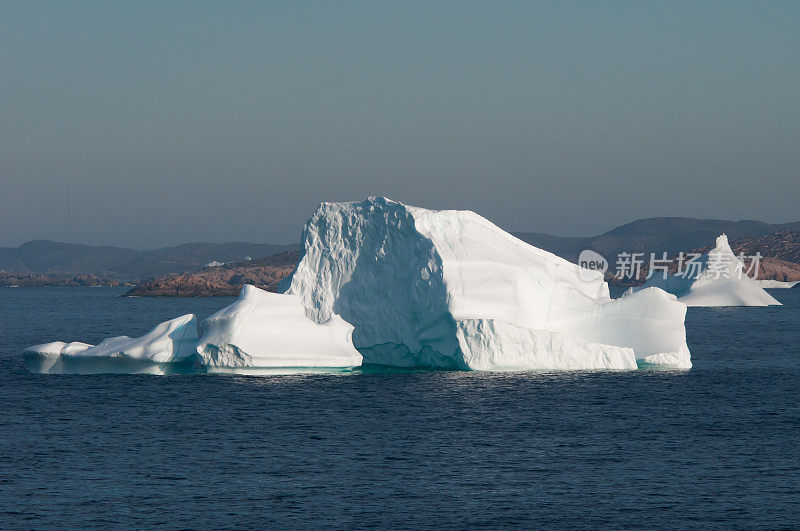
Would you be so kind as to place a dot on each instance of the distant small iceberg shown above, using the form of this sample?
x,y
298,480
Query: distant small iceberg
x,y
719,280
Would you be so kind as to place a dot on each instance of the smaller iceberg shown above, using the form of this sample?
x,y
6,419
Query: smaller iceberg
x,y
717,280
168,348
776,284
269,333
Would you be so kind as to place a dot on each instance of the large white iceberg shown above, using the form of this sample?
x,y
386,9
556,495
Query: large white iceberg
x,y
715,279
167,348
408,287
450,289
268,333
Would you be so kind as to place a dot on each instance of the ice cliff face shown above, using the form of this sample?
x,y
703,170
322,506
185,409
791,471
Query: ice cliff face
x,y
719,281
263,331
450,289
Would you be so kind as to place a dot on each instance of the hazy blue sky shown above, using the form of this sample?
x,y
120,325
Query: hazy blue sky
x,y
199,121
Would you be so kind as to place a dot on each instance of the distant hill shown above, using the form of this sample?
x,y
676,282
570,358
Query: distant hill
x,y
780,258
57,258
670,235
39,280
783,245
780,252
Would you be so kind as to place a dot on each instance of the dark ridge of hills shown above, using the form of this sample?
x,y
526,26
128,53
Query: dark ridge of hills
x,y
192,256
780,252
44,257
783,245
670,235
50,258
38,280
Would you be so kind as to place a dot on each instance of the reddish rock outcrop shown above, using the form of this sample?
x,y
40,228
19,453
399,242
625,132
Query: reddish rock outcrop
x,y
226,280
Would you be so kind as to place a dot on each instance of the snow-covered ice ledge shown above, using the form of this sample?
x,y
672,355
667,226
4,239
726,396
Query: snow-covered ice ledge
x,y
168,348
260,334
269,333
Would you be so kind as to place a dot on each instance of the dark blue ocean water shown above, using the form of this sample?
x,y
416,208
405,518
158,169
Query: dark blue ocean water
x,y
715,446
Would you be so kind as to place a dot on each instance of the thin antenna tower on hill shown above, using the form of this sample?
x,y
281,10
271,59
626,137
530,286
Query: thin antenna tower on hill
x,y
68,224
